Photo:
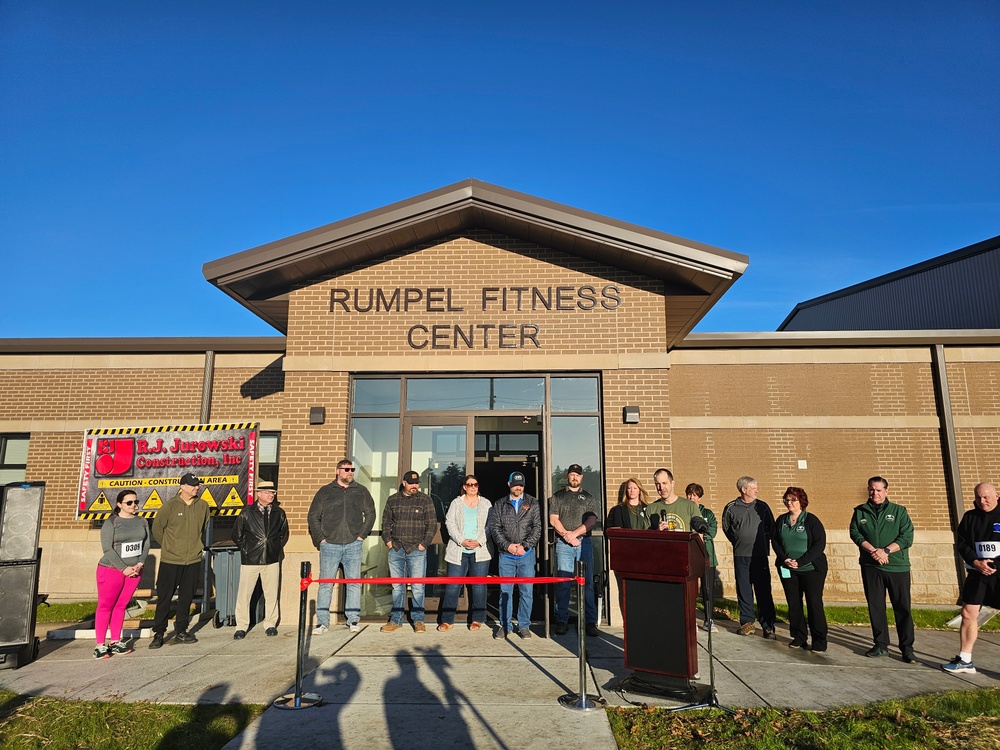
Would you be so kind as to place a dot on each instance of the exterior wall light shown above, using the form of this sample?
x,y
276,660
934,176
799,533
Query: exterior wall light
x,y
630,415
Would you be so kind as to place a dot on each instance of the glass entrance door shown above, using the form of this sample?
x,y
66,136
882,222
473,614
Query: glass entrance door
x,y
438,451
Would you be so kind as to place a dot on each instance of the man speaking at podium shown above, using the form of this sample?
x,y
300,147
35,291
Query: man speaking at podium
x,y
670,512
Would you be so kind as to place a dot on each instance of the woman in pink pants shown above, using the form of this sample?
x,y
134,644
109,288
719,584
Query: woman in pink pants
x,y
125,540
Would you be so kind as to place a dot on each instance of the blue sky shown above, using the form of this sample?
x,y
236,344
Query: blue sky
x,y
829,141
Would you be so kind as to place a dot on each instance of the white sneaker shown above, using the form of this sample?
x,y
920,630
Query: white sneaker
x,y
320,629
354,627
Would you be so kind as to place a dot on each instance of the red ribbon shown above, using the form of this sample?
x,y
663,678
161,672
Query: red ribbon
x,y
305,582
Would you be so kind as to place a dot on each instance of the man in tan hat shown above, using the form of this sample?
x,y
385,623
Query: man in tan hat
x,y
261,532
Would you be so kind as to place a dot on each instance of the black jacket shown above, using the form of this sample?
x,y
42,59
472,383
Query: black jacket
x,y
341,515
261,535
507,527
815,536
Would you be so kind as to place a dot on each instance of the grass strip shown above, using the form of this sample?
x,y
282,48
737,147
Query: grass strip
x,y
929,619
54,724
967,719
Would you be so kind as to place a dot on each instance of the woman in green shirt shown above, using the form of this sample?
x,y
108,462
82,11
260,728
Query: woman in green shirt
x,y
799,541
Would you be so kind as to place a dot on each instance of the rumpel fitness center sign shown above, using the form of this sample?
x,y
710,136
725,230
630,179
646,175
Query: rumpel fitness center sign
x,y
443,300
151,461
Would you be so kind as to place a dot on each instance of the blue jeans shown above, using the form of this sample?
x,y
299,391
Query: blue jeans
x,y
412,564
566,557
468,567
332,556
521,567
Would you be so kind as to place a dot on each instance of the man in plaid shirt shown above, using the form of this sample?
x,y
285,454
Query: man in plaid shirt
x,y
408,527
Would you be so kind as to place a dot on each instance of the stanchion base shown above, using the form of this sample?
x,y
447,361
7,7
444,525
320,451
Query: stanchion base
x,y
573,701
306,700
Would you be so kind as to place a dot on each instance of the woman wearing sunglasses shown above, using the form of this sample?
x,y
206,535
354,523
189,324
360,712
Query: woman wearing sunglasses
x,y
125,540
466,553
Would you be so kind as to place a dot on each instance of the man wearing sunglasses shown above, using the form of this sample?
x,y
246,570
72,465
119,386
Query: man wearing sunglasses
x,y
341,516
179,527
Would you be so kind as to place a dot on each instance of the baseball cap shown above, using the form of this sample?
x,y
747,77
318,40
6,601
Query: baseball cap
x,y
575,469
190,479
411,477
516,478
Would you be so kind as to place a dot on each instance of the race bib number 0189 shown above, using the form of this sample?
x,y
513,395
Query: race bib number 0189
x,y
987,550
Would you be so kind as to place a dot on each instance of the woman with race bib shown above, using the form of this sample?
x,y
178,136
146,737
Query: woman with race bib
x,y
125,541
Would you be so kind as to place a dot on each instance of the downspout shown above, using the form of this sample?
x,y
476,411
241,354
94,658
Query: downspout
x,y
953,480
208,380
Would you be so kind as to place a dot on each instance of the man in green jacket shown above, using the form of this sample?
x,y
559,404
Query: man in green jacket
x,y
179,527
884,533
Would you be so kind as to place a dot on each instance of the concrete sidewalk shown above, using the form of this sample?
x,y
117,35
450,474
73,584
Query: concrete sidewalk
x,y
402,689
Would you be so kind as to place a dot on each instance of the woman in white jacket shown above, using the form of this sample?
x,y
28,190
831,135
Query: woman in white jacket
x,y
466,553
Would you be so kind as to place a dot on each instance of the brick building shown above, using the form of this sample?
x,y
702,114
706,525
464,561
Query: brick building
x,y
475,329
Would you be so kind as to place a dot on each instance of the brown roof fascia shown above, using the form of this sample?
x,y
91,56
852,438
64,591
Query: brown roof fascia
x,y
162,345
839,339
262,273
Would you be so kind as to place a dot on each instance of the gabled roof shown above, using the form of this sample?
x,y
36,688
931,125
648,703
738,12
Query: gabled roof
x,y
695,275
954,291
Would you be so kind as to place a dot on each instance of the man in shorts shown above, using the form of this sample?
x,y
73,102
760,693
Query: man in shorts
x,y
977,540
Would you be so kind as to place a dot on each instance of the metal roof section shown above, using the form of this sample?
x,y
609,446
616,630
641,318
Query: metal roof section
x,y
839,339
153,345
955,291
695,275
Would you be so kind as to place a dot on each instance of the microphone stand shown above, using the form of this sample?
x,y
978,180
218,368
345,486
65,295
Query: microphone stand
x,y
710,699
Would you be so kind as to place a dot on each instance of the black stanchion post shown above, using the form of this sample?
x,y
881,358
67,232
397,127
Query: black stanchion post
x,y
298,699
581,701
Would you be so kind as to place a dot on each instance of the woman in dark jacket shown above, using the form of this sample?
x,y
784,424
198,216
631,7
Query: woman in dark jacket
x,y
799,541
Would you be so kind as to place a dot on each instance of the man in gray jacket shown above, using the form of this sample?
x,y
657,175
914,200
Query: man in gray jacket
x,y
748,523
341,516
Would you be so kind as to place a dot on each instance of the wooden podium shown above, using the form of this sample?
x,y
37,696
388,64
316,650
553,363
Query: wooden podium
x,y
659,571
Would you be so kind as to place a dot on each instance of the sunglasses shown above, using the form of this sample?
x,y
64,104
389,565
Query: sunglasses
x,y
472,484
347,468
130,502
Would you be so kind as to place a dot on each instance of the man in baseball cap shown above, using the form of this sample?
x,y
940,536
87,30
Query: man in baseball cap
x,y
408,527
516,527
179,527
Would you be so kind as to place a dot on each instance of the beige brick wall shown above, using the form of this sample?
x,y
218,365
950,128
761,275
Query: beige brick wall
x,y
98,395
635,450
482,260
309,453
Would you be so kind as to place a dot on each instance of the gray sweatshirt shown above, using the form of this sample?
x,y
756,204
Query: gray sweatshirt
x,y
748,527
125,542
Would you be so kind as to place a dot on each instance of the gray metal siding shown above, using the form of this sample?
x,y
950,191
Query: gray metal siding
x,y
963,294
